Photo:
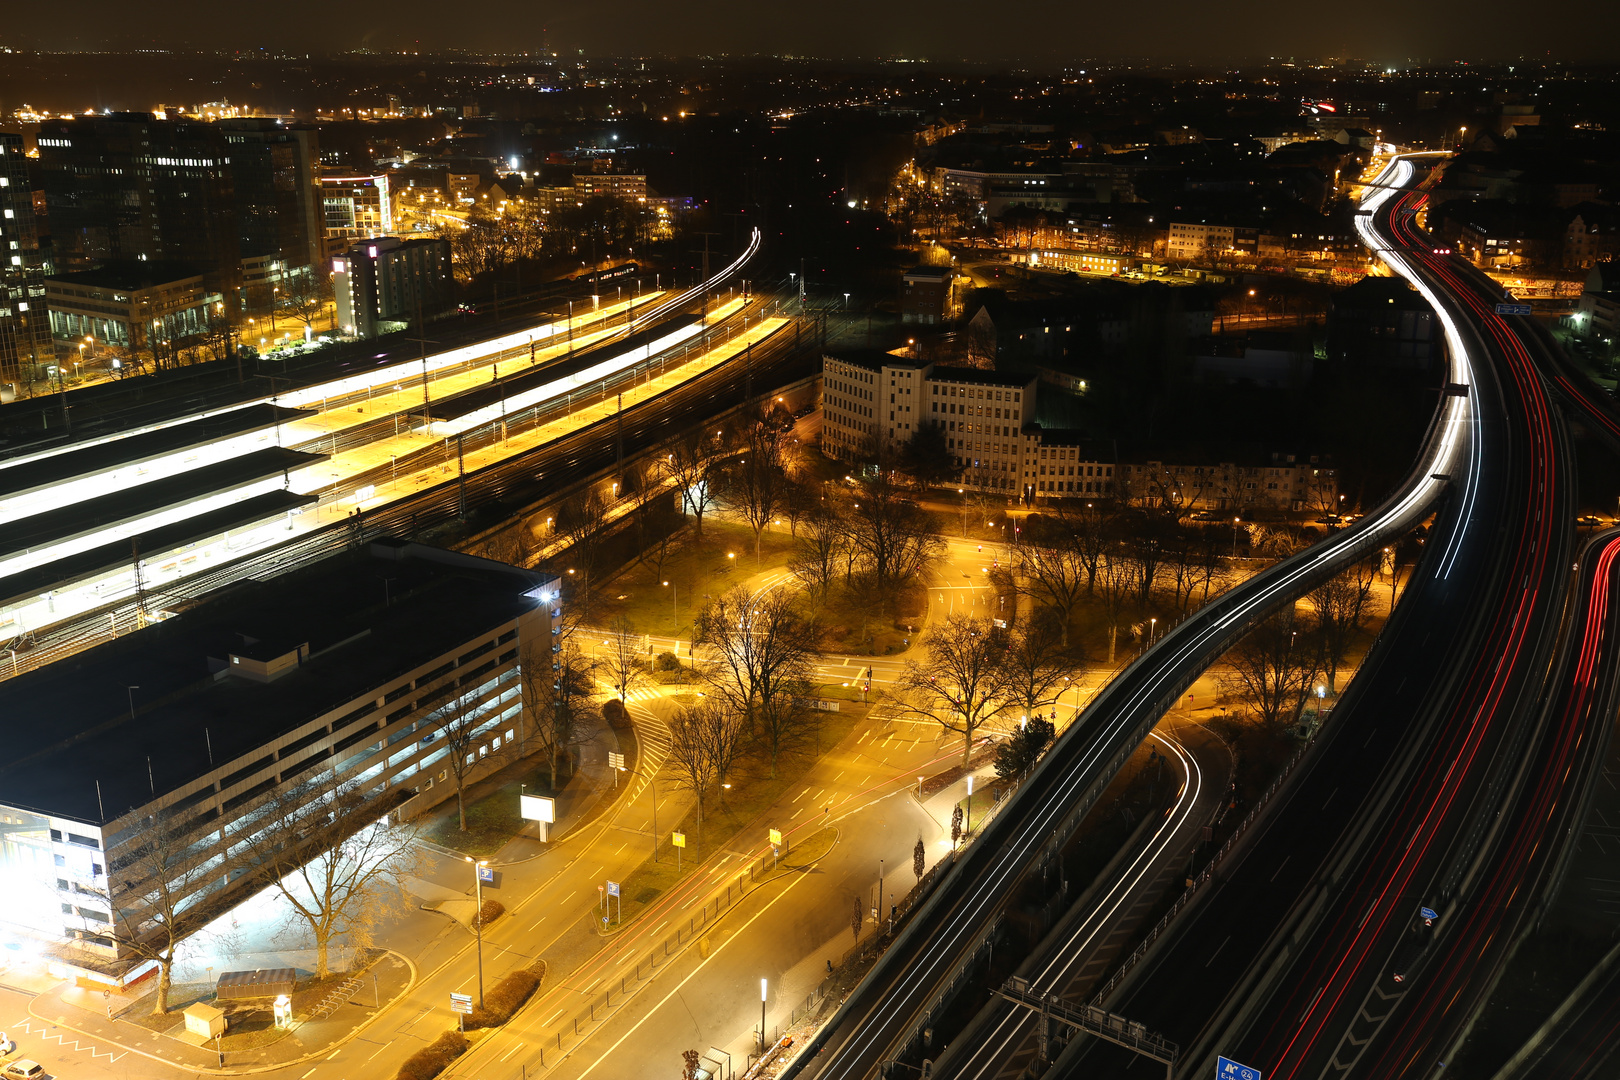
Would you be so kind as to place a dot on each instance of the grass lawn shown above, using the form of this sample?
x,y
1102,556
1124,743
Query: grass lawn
x,y
752,793
697,571
492,818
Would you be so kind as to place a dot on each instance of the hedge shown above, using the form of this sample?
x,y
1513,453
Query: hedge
x,y
430,1062
507,996
492,910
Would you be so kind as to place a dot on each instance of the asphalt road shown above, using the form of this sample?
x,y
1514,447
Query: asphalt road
x,y
1293,944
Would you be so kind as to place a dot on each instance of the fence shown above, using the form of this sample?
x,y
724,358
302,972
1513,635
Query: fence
x,y
1201,878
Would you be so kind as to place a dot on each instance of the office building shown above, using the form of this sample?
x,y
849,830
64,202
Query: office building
x,y
344,671
383,283
353,208
279,213
874,402
25,335
125,187
128,310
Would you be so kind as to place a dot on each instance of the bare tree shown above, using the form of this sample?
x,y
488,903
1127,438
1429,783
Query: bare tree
x,y
1056,577
1115,584
703,743
962,682
757,482
693,465
331,854
761,656
305,296
1272,669
621,659
1341,604
162,868
1037,667
896,538
461,722
557,691
582,523
819,552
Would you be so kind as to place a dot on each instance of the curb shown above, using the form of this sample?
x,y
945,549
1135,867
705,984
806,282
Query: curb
x,y
215,1070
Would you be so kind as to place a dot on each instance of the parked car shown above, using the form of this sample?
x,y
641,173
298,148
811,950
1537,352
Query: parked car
x,y
22,1069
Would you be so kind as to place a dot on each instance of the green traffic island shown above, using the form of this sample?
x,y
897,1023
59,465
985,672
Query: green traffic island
x,y
500,1004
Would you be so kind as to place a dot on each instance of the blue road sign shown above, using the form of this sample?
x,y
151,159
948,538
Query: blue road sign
x,y
1227,1069
1428,913
486,874
1513,309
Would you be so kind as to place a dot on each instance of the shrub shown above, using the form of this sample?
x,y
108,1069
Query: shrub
x,y
432,1060
492,910
505,998
666,661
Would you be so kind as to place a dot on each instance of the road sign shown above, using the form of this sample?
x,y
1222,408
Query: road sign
x,y
615,761
461,1003
1513,309
486,874
1428,913
1227,1069
776,837
613,888
680,839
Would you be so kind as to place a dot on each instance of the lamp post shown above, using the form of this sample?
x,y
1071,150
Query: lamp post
x,y
674,603
969,816
478,920
762,1016
130,690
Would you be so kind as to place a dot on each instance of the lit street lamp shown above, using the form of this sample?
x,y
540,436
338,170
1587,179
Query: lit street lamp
x,y
478,920
762,1016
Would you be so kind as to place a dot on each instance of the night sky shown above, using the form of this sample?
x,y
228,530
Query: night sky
x,y
1040,31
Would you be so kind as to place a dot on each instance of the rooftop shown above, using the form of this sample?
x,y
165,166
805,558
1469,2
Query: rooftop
x,y
368,615
130,275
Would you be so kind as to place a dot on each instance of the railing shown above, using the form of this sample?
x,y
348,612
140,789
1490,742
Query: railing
x,y
1201,878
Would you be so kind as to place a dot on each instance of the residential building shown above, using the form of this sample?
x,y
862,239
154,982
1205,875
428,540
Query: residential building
x,y
25,331
1195,240
344,671
126,309
1282,483
1061,463
1597,312
1382,322
353,208
925,294
628,187
125,187
383,283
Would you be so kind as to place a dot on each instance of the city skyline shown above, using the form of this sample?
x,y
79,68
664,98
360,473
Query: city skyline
x,y
1042,32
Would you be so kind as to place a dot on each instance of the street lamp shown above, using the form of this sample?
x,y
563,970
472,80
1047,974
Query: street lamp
x,y
762,1016
478,919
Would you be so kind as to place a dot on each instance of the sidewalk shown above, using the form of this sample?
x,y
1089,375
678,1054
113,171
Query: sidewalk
x,y
84,1012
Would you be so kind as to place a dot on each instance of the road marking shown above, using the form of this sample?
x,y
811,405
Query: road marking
x,y
654,1010
334,1053
554,1016
537,923
1217,951
307,1075
380,1048
512,1051
801,794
